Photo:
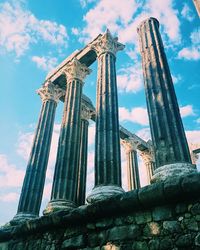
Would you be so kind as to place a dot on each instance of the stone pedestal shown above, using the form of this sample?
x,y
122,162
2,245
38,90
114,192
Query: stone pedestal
x,y
107,147
168,136
65,180
32,190
132,164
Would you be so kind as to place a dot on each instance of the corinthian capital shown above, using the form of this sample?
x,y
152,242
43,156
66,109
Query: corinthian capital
x,y
130,144
147,156
86,113
50,91
106,43
76,70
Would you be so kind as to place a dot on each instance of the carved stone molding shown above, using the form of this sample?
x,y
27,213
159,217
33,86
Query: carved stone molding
x,y
194,156
130,144
50,91
106,43
86,113
76,70
147,156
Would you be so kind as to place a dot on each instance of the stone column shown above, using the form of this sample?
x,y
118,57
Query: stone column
x,y
132,164
149,161
32,190
82,171
65,182
107,141
169,141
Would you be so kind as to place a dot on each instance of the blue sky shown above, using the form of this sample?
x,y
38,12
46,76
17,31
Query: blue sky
x,y
35,36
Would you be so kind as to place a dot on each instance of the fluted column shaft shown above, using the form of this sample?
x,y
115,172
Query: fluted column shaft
x,y
167,131
132,170
33,185
107,147
82,171
107,141
65,180
149,161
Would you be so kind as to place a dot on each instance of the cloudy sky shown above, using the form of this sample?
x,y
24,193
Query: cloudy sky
x,y
35,36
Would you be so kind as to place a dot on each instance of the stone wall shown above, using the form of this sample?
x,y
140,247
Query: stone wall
x,y
161,216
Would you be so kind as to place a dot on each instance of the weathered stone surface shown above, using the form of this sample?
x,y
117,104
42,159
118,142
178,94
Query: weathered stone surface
x,y
73,243
191,184
166,244
97,239
197,240
172,226
104,223
151,194
124,232
140,245
172,189
191,224
151,229
162,213
143,217
184,240
154,245
180,208
195,209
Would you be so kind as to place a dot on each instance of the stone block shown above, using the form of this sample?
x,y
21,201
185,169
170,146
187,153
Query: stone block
x,y
172,226
151,229
195,209
191,224
191,185
140,245
124,232
197,240
104,223
97,239
184,240
162,213
181,208
4,246
154,245
166,244
172,189
143,217
129,201
151,195
74,243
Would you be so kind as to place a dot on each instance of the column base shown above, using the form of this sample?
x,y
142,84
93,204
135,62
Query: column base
x,y
58,205
173,170
102,192
22,217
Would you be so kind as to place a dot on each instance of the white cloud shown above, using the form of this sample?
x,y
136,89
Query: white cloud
x,y
136,115
75,31
176,78
84,3
130,79
45,63
189,53
9,197
20,28
144,133
186,111
166,14
187,13
193,136
10,175
24,145
195,37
